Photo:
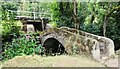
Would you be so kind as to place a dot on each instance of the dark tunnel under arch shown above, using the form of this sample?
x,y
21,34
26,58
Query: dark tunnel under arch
x,y
53,46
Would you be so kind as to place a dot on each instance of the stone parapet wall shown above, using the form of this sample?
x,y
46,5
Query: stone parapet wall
x,y
75,41
72,41
106,45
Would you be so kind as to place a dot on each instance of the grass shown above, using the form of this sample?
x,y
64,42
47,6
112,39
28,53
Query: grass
x,y
51,61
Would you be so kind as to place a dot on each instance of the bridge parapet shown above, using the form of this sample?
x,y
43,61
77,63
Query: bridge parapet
x,y
71,41
106,45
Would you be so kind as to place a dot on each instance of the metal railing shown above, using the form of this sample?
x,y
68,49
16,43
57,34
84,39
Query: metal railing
x,y
33,14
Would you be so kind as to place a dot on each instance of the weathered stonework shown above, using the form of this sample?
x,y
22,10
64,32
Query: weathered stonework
x,y
106,45
84,43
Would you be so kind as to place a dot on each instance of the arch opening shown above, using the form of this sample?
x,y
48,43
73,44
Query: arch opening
x,y
53,47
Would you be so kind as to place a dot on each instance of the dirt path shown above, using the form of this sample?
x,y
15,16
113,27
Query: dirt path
x,y
56,61
60,61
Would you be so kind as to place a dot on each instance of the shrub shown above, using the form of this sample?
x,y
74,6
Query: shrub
x,y
9,29
9,26
24,45
53,24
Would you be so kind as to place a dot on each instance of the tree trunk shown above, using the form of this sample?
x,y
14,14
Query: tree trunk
x,y
75,14
93,14
105,25
107,17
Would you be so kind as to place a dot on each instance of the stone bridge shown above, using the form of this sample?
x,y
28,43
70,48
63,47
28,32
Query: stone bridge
x,y
72,41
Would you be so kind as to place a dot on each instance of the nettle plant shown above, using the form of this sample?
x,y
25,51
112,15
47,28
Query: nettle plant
x,y
22,45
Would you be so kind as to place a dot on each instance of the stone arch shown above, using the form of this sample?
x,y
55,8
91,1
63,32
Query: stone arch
x,y
53,46
52,35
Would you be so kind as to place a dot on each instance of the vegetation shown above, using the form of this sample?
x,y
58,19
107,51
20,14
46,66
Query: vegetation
x,y
100,18
97,18
24,45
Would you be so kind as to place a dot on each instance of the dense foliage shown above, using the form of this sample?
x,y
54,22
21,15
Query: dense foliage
x,y
9,25
10,29
100,18
24,45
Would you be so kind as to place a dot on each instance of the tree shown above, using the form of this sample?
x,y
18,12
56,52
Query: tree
x,y
107,18
105,22
75,18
